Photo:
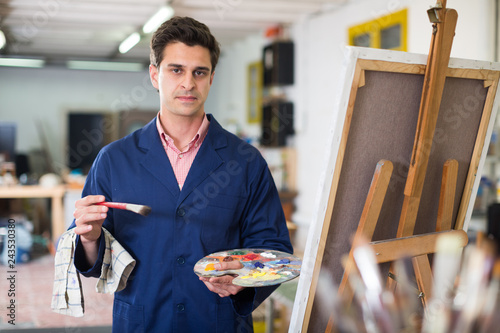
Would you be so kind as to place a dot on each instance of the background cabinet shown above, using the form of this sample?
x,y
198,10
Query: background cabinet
x,y
278,60
277,123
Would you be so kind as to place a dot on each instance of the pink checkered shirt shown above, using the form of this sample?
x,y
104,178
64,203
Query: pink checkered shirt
x,y
181,161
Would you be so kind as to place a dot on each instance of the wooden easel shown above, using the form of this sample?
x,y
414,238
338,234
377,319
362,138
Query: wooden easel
x,y
414,246
444,22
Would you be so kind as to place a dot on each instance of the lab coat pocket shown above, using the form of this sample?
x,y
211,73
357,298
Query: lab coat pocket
x,y
127,317
227,321
221,220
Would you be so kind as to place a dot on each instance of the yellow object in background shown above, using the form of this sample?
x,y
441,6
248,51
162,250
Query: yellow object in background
x,y
386,32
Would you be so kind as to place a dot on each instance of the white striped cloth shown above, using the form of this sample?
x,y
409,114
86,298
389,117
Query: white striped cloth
x,y
67,295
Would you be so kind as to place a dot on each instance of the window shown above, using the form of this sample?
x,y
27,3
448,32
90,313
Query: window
x,y
386,32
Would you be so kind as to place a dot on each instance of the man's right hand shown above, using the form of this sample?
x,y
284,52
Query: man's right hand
x,y
89,218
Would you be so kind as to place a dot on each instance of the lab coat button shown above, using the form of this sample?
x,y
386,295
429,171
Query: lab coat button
x,y
180,307
181,260
181,212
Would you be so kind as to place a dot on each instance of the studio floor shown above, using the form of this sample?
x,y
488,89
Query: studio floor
x,y
33,292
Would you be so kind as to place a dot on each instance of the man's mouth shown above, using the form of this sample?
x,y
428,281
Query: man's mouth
x,y
187,98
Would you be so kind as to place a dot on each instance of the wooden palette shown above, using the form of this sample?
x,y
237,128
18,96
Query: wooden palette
x,y
260,267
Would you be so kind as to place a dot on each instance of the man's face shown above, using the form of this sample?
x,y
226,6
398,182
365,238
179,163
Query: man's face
x,y
183,79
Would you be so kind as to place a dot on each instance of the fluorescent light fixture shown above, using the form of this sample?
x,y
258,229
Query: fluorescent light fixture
x,y
105,65
165,13
129,42
3,40
22,62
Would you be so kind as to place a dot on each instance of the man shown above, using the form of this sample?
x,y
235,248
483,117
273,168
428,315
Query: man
x,y
208,190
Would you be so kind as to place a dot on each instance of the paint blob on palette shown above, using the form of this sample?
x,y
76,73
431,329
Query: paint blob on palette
x,y
260,267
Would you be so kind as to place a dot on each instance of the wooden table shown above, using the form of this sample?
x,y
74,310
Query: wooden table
x,y
56,195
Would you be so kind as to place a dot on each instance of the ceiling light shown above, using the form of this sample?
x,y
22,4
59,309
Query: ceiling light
x,y
105,66
129,42
22,62
3,40
165,13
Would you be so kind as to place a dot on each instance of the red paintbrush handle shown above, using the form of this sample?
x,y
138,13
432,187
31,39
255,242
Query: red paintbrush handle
x,y
118,205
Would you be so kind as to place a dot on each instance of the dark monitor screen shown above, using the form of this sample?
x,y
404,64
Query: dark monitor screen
x,y
86,138
8,141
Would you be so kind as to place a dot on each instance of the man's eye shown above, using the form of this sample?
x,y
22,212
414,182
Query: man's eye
x,y
176,70
199,73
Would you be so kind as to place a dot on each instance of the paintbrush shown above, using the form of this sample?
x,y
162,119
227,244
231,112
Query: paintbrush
x,y
446,267
374,294
471,290
490,319
139,209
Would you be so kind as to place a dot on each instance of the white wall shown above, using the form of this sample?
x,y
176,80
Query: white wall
x,y
48,94
228,95
474,34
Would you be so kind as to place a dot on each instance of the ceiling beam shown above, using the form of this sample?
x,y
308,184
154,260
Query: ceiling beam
x,y
240,16
53,8
42,20
262,6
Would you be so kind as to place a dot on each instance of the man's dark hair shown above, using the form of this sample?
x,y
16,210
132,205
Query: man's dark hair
x,y
185,30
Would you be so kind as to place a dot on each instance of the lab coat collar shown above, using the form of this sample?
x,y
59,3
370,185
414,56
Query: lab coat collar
x,y
206,162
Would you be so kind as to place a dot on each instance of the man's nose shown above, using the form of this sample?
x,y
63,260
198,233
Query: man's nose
x,y
188,81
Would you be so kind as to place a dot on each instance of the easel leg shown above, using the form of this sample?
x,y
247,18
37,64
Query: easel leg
x,y
367,222
447,195
423,275
369,217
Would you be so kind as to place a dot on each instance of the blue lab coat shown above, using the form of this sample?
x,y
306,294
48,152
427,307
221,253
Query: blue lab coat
x,y
228,201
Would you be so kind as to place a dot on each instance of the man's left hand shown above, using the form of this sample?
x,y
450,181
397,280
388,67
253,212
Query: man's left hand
x,y
223,285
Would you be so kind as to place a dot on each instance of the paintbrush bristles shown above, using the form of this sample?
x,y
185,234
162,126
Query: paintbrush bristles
x,y
139,209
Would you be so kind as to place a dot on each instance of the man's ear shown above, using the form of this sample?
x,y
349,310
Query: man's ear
x,y
153,75
212,77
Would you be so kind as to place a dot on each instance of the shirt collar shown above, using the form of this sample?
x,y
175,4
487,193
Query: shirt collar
x,y
166,139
